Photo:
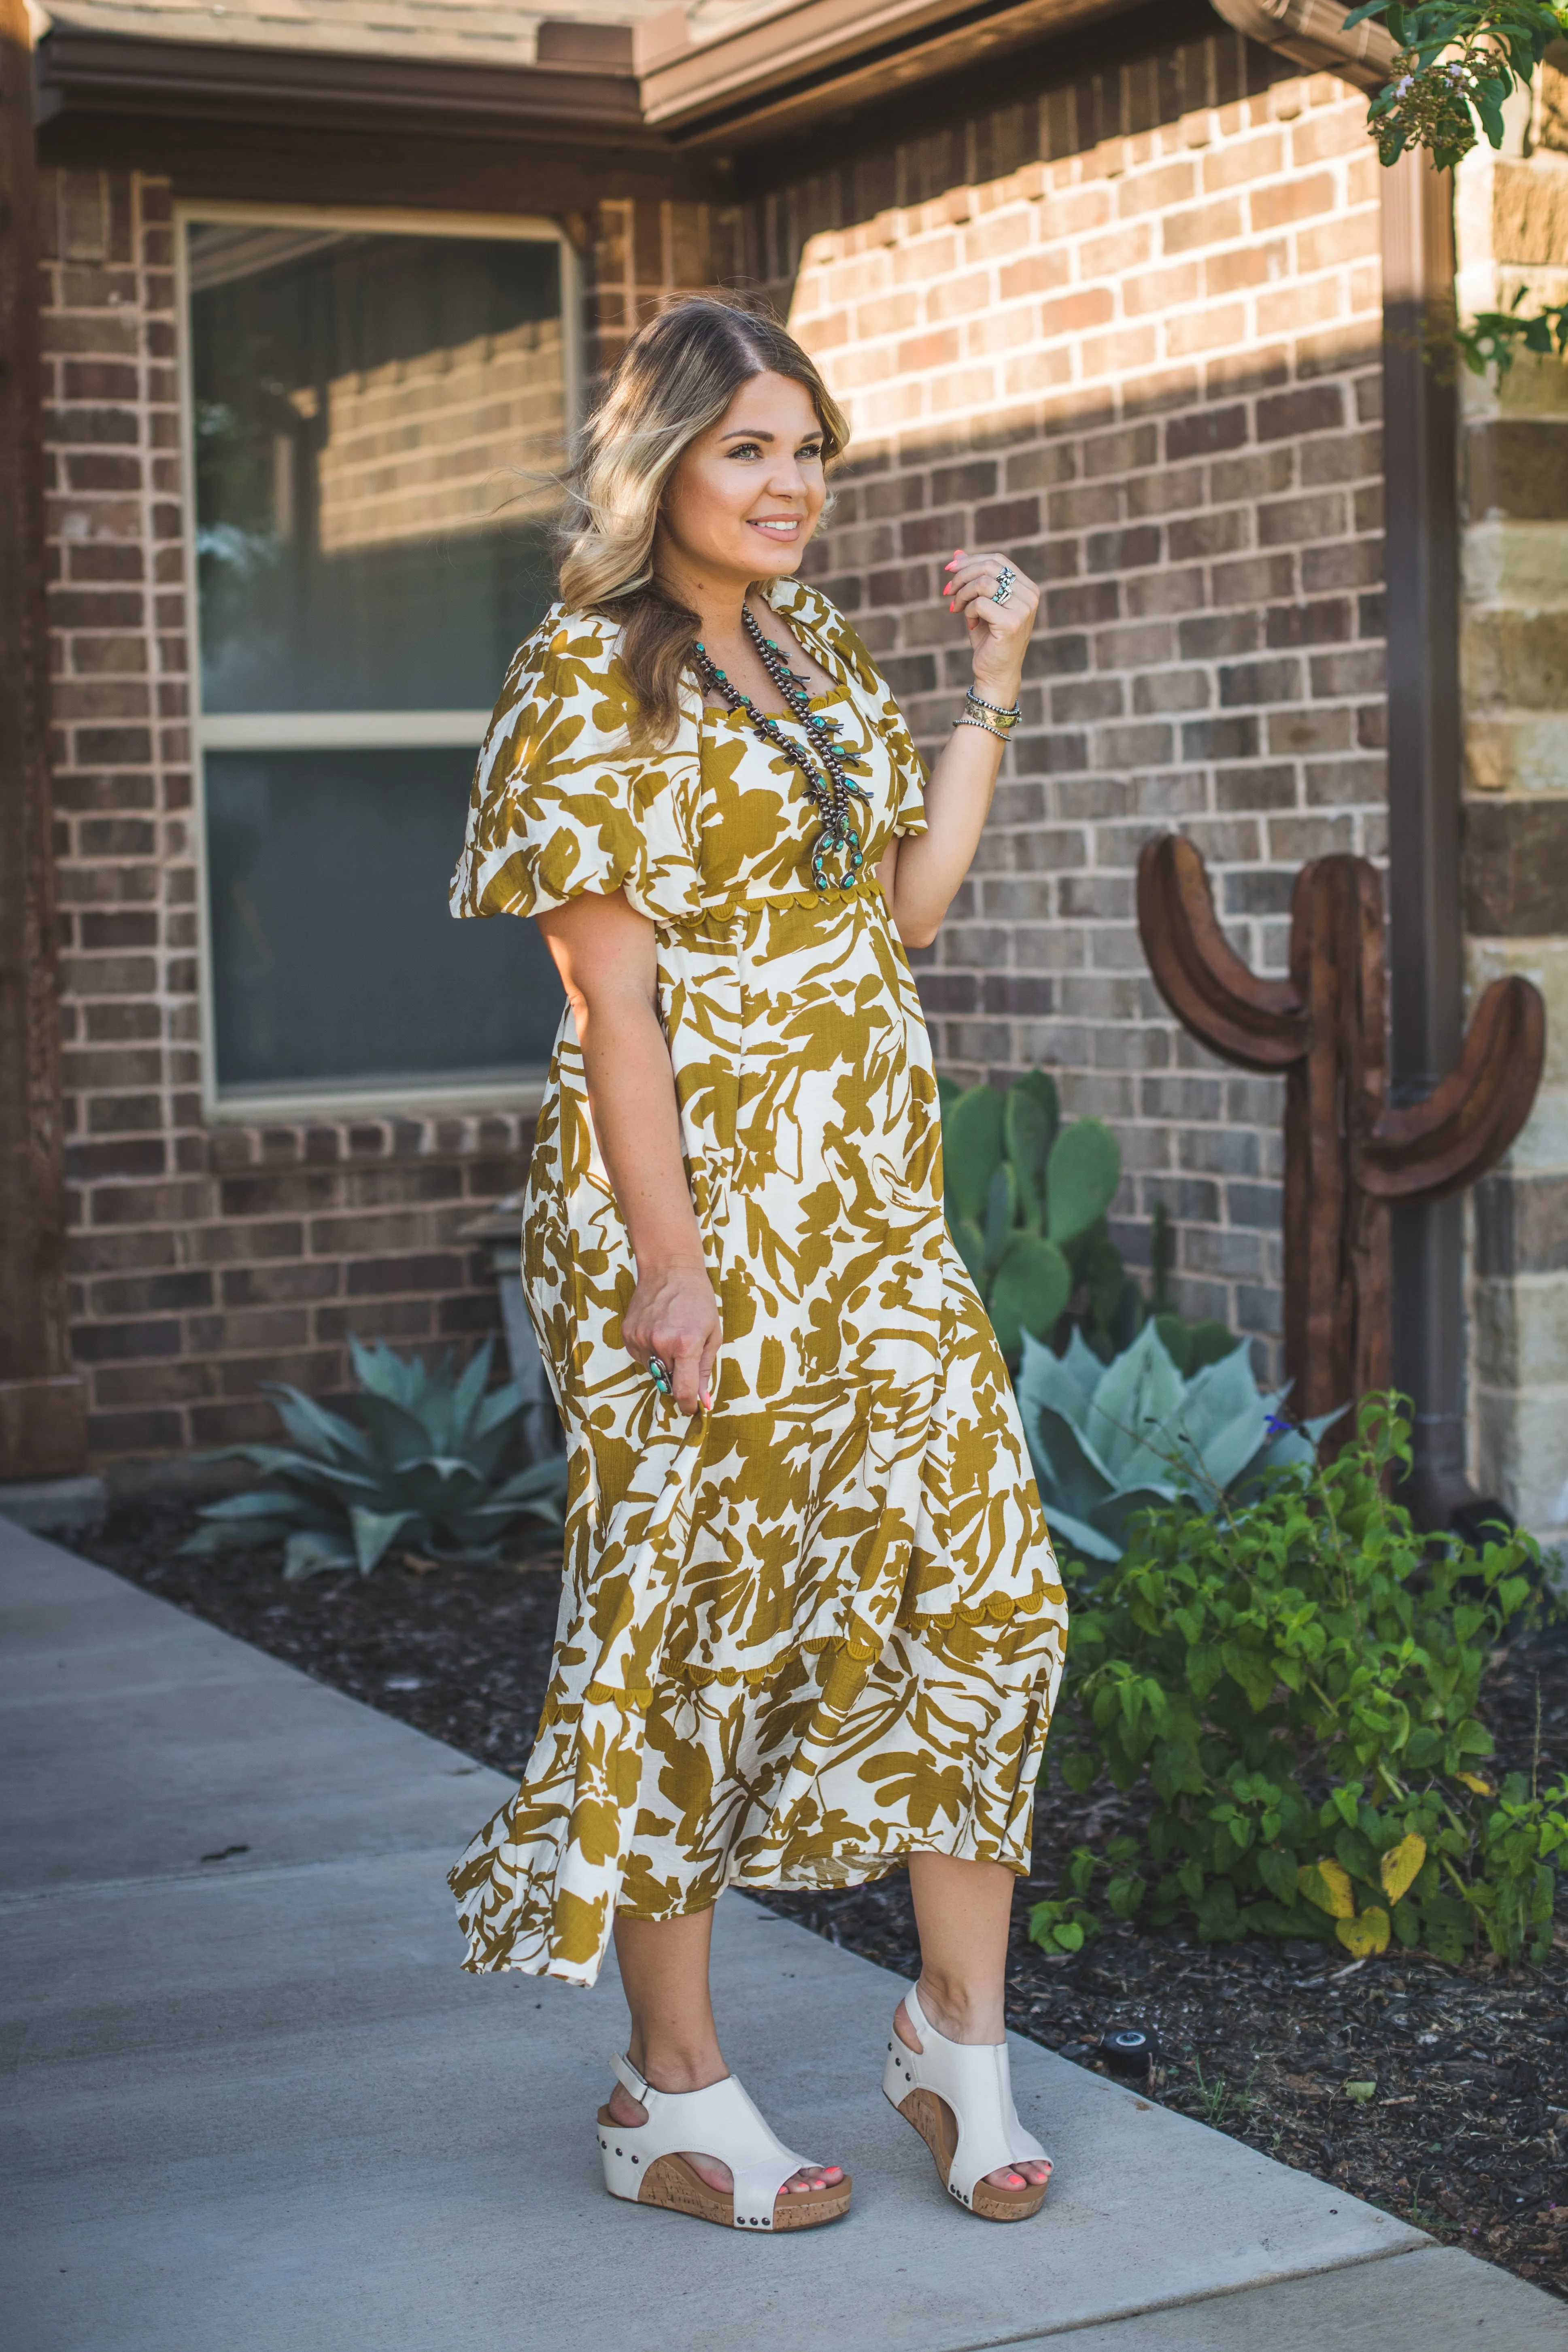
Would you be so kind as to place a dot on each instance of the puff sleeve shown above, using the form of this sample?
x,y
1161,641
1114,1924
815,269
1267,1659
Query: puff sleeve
x,y
561,803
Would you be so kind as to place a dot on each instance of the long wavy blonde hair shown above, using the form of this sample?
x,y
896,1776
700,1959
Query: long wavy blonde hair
x,y
675,379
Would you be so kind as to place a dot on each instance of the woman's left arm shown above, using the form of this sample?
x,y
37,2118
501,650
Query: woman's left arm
x,y
920,872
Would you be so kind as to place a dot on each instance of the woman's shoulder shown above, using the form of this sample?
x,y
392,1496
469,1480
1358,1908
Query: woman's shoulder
x,y
566,671
563,645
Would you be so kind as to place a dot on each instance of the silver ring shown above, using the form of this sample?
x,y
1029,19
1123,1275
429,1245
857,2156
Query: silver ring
x,y
1004,588
658,1372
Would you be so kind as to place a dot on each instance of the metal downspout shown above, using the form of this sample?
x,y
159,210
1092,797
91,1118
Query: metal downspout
x,y
1426,919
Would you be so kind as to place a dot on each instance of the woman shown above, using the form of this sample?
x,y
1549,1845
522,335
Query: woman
x,y
811,1627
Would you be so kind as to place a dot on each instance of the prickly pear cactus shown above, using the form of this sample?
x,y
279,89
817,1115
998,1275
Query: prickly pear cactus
x,y
1026,1199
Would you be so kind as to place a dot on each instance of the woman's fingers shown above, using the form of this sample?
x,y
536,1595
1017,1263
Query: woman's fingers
x,y
683,1374
675,1316
973,579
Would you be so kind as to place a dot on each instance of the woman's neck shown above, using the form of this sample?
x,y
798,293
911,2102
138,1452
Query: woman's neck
x,y
718,599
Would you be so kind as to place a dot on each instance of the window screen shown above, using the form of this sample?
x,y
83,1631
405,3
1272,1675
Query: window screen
x,y
378,423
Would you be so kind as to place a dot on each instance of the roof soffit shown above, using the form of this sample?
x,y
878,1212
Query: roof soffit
x,y
719,76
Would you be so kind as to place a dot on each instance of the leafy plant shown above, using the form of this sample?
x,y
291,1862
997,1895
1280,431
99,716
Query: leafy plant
x,y
1295,1681
422,1471
1495,338
1109,1441
1458,62
1026,1199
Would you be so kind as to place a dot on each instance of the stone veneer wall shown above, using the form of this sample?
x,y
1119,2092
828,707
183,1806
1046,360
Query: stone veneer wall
x,y
1512,220
1128,328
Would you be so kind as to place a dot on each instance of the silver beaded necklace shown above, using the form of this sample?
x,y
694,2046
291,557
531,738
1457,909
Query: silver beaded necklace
x,y
831,789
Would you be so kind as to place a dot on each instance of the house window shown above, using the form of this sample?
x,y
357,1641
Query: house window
x,y
377,413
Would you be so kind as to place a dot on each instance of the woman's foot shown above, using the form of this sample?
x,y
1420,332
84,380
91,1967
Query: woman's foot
x,y
629,2111
1028,2172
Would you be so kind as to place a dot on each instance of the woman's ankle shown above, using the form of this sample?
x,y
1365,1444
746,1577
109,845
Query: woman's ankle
x,y
961,2012
674,2067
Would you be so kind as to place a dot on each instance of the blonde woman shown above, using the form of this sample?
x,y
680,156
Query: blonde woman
x,y
811,1627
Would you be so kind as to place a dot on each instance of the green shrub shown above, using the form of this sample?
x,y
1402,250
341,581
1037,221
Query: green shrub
x,y
1109,1441
1296,1681
421,1472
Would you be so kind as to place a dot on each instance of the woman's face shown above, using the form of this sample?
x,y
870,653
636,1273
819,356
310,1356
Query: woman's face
x,y
745,498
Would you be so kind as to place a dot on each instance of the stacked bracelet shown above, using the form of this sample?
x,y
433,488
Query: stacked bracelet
x,y
1009,718
989,717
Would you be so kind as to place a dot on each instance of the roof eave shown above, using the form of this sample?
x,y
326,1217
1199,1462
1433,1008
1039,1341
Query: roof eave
x,y
763,78
90,73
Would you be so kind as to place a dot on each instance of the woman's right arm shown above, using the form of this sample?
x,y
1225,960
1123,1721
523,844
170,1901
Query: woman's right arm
x,y
605,953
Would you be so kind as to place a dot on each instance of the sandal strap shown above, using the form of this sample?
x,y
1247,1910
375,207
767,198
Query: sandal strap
x,y
976,2080
719,2121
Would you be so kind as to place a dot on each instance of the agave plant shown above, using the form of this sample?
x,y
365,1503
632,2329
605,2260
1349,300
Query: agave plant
x,y
421,1471
1026,1199
1107,1440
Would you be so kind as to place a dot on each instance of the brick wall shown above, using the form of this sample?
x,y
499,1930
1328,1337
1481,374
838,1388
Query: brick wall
x,y
204,1261
207,1260
1127,329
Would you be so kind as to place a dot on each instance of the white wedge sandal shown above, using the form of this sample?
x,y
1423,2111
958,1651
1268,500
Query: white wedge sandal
x,y
959,2098
644,2163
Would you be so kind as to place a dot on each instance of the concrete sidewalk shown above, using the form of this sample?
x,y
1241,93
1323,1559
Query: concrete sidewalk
x,y
256,2105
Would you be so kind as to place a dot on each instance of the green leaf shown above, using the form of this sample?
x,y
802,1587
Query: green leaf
x,y
1027,1131
1277,1871
1176,1339
1081,1177
1030,1292
969,1243
307,1553
972,1148
374,1531
1000,1215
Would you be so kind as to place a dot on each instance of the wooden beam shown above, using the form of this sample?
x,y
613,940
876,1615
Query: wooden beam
x,y
43,1431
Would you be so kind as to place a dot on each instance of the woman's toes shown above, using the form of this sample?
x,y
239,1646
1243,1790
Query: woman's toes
x,y
814,2175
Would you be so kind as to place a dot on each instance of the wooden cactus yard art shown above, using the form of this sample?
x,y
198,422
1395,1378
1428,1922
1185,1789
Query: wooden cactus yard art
x,y
1349,1152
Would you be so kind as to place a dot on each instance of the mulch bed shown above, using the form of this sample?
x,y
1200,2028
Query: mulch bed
x,y
1465,2132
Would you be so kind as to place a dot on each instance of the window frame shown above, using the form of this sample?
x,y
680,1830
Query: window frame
x,y
334,731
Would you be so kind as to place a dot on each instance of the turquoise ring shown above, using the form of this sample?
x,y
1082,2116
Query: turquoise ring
x,y
658,1372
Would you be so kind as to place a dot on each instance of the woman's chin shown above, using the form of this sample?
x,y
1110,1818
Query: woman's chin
x,y
777,563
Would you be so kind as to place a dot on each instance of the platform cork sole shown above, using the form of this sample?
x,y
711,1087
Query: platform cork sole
x,y
937,2125
672,2183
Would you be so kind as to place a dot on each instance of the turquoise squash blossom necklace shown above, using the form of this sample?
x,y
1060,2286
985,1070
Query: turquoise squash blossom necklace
x,y
829,788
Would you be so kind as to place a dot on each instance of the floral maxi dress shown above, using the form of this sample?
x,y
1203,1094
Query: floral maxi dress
x,y
820,1627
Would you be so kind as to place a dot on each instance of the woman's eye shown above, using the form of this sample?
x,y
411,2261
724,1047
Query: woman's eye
x,y
746,449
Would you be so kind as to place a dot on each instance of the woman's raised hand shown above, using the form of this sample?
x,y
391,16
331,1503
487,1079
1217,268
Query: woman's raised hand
x,y
675,1315
999,633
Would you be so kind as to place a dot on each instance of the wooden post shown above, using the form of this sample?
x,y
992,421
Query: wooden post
x,y
43,1429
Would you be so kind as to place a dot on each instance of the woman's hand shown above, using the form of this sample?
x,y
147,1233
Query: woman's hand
x,y
675,1315
998,634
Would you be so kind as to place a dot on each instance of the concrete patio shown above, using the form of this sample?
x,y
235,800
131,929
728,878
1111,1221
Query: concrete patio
x,y
256,2104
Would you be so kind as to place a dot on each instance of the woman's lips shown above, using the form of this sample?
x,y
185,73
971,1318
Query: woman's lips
x,y
778,526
